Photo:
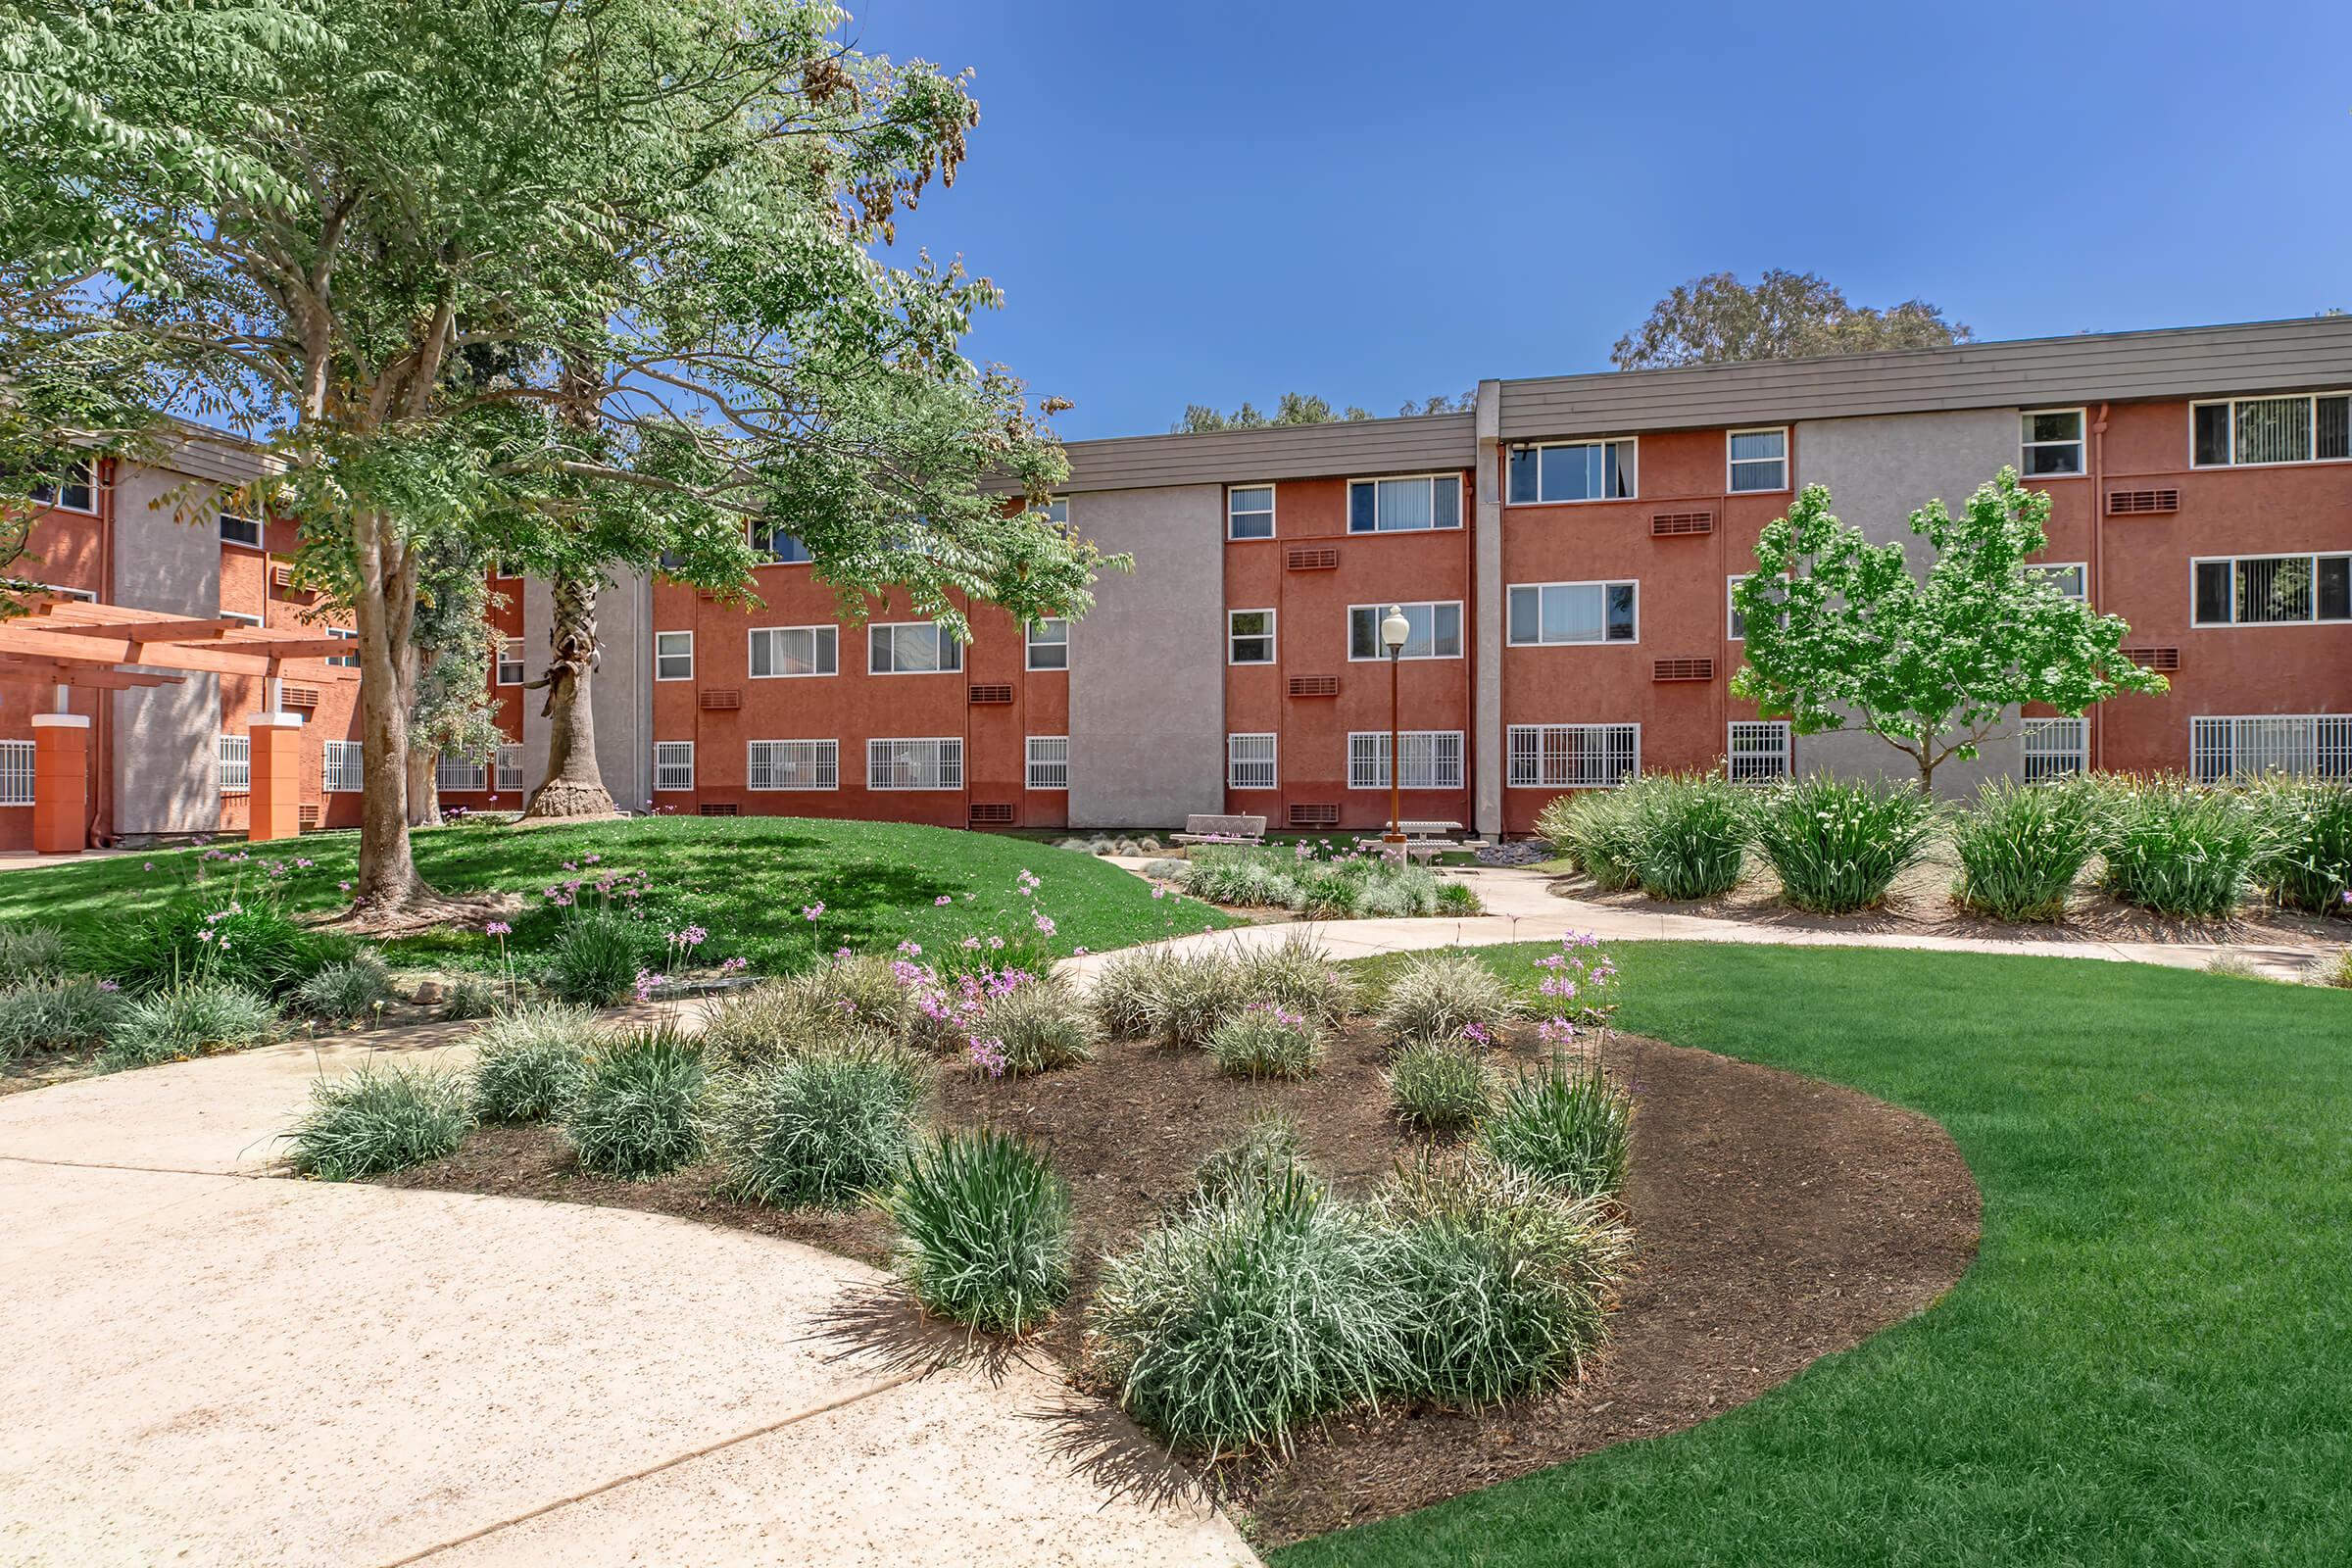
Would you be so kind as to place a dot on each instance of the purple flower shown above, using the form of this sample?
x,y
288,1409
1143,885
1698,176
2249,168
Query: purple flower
x,y
810,912
110,985
733,965
1159,892
913,950
345,886
498,928
1476,1034
150,866
1045,924
647,983
943,900
988,1055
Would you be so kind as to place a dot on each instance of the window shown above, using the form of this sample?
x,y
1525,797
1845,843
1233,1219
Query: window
x,y
1249,637
1432,760
2310,428
240,618
2272,590
1250,762
1048,762
781,549
794,765
236,764
16,773
509,662
673,762
1563,757
1404,506
239,530
344,634
673,656
2050,442
778,652
71,491
2307,746
1571,612
1756,752
1056,513
1433,630
1049,643
911,648
459,773
509,767
914,765
1574,470
2056,748
1250,512
340,769
2071,578
1758,459
1734,622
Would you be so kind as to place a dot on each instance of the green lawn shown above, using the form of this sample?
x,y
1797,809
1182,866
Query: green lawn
x,y
745,880
2150,1362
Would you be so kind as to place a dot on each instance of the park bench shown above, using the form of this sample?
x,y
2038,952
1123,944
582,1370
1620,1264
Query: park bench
x,y
1209,828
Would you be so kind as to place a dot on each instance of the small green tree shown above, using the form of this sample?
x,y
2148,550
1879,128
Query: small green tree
x,y
1839,630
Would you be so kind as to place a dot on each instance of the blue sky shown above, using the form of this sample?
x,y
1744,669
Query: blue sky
x,y
1210,202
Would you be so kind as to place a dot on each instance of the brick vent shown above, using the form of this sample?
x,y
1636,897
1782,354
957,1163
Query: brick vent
x,y
987,694
1314,685
721,809
1671,524
306,815
2126,503
2165,659
291,696
1682,669
1316,814
721,696
991,813
1317,558
281,578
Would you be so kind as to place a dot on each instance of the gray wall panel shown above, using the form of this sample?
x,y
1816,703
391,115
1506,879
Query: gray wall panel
x,y
165,753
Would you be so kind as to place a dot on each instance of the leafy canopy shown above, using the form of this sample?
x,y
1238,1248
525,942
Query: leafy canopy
x,y
1718,319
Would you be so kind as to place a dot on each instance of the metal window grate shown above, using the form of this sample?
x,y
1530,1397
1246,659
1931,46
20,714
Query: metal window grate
x,y
2162,658
1048,762
340,768
236,764
720,698
2056,748
1680,524
460,774
990,694
1317,814
1758,752
925,762
1314,686
1432,760
2303,745
16,773
1682,669
991,813
2139,503
674,765
1574,756
509,767
1324,558
1250,762
795,766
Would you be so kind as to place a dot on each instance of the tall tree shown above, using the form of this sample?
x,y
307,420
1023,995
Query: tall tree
x,y
1839,630
457,648
1717,319
301,215
1294,408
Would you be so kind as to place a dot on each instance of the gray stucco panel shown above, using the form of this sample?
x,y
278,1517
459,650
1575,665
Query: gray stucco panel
x,y
166,753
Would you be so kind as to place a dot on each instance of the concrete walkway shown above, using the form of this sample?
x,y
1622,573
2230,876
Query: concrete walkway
x,y
204,1367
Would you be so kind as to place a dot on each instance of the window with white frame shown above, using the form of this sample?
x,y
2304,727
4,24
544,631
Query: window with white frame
x,y
2056,748
1756,460
794,765
241,618
71,490
343,634
1547,613
239,529
2050,442
931,763
2072,578
1048,762
459,773
2309,427
673,763
509,662
1250,512
673,656
1250,762
777,543
783,651
1574,470
236,764
2302,745
1407,505
1249,637
1432,760
1567,757
16,773
509,767
1432,631
911,648
1049,643
1756,751
2272,590
340,769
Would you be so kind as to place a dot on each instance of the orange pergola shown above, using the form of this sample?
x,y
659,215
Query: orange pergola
x,y
70,643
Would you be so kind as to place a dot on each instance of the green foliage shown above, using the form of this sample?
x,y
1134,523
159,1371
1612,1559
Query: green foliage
x,y
1837,627
1267,1153
1298,973
473,996
1265,1040
819,1127
1566,1125
1717,319
984,1230
1439,1087
2339,973
2308,862
531,1063
2182,849
1039,1024
2023,846
1459,898
1294,408
1838,844
1599,833
30,952
379,1119
350,990
597,957
1175,998
637,1113
1435,996
1690,833
54,1012
1356,884
192,1019
232,937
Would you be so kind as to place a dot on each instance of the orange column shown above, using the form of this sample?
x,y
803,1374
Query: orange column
x,y
61,783
273,808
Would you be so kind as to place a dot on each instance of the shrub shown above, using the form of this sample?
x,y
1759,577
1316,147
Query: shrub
x,y
984,1230
473,996
1266,1039
252,944
1459,898
1239,876
529,1064
379,1119
2023,847
1123,988
1436,996
596,958
2307,863
29,952
2179,848
1690,835
1443,1088
1565,1125
1598,832
2340,973
821,1126
635,1114
864,994
1267,1151
348,990
1398,892
54,1013
1038,1025
2234,967
1301,975
189,1020
1178,998
754,1027
1840,844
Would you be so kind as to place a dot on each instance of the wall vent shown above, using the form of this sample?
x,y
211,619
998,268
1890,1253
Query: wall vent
x,y
1314,685
1313,558
716,698
1674,524
2160,659
991,813
306,815
292,696
989,694
721,809
2138,503
1313,814
1682,669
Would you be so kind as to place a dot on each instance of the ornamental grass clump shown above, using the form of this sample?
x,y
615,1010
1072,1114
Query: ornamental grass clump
x,y
30,952
1459,898
1690,835
1237,876
2307,863
1441,997
1301,975
984,1230
821,1127
637,1110
471,996
2023,846
379,1119
1838,844
195,1020
1266,1039
531,1061
350,990
56,1012
596,958
1441,1087
1182,998
2182,849
1598,831
1038,1024
242,938
1566,1125
1268,1151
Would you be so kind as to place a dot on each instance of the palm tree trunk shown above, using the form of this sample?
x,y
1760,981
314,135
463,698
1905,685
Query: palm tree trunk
x,y
573,786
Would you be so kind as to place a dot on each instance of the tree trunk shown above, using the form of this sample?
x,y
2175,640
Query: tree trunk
x,y
573,787
386,610
425,791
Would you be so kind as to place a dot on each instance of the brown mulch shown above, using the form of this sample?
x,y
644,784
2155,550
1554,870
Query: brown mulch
x,y
1779,1219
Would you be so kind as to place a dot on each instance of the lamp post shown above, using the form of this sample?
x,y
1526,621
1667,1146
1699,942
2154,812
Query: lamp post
x,y
1394,630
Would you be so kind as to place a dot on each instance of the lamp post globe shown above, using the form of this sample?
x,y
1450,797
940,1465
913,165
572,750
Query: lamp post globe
x,y
1394,630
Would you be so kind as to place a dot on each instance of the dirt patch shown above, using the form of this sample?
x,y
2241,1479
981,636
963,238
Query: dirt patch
x,y
1779,1220
426,917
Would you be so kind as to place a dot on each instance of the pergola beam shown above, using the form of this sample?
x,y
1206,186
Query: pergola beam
x,y
172,629
87,676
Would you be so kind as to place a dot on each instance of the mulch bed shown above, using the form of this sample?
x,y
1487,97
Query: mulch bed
x,y
1779,1220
